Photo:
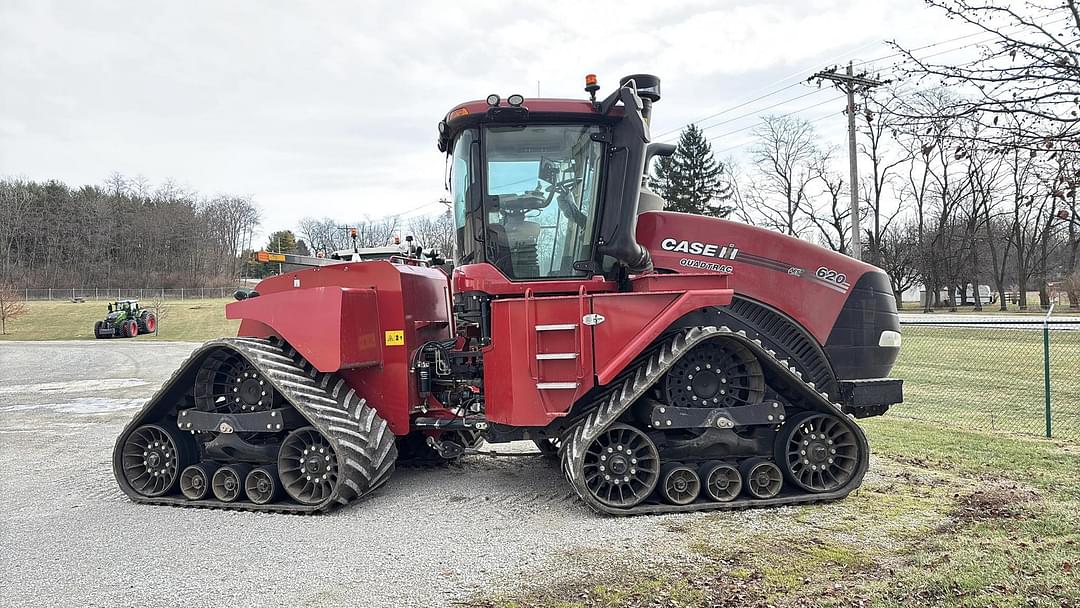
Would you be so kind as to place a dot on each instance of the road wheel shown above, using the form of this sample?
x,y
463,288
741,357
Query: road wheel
x,y
97,330
121,330
133,328
721,481
262,485
761,478
195,480
680,484
150,323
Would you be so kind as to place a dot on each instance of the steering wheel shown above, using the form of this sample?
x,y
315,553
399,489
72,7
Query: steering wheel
x,y
559,187
564,200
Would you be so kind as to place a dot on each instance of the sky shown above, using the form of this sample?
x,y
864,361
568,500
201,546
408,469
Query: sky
x,y
330,108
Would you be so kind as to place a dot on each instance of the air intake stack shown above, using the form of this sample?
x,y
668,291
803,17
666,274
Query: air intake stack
x,y
630,139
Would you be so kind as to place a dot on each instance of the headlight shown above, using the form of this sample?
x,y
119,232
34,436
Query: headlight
x,y
889,339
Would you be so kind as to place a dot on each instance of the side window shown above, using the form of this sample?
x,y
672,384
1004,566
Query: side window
x,y
460,178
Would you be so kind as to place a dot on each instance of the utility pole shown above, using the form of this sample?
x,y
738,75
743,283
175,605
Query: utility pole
x,y
849,82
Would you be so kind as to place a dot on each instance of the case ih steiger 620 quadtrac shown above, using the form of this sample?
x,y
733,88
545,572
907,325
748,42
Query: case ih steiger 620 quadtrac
x,y
670,362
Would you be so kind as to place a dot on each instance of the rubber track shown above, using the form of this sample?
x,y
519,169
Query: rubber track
x,y
360,437
648,370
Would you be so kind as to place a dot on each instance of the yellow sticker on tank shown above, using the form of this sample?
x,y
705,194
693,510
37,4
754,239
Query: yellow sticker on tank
x,y
395,338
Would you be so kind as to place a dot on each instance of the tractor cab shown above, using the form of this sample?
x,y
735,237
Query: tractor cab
x,y
123,309
548,189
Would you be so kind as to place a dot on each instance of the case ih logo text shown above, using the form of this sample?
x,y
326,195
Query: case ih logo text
x,y
724,252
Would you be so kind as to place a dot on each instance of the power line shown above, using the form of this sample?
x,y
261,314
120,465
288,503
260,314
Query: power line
x,y
989,38
726,110
759,110
799,74
804,72
761,122
743,144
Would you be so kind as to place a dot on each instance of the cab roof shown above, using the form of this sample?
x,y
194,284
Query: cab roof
x,y
535,110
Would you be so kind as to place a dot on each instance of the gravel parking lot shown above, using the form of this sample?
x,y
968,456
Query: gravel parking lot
x,y
431,537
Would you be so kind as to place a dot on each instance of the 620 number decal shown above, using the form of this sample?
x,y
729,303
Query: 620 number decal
x,y
831,275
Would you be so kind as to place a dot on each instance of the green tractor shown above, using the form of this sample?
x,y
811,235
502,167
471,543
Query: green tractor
x,y
125,320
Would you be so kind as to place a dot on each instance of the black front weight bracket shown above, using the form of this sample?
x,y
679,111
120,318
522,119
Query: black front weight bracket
x,y
662,416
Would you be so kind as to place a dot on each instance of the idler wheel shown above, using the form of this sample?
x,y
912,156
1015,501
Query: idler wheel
x,y
262,485
761,478
153,456
819,451
228,482
250,391
717,373
621,467
722,481
195,480
308,466
226,382
679,484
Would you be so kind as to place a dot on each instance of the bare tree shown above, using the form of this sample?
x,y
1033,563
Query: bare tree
x,y
161,310
11,305
1027,69
783,156
827,210
434,233
876,123
1065,183
377,232
899,253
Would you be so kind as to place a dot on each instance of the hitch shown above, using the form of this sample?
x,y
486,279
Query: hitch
x,y
446,449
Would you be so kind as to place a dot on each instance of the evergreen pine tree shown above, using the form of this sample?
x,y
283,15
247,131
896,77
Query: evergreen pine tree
x,y
691,180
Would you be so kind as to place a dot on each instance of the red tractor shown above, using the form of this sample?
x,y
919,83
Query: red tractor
x,y
670,362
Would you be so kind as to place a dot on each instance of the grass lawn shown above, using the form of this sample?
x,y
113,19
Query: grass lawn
x,y
986,378
184,320
944,518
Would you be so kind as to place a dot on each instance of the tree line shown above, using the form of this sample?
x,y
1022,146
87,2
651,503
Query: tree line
x,y
122,233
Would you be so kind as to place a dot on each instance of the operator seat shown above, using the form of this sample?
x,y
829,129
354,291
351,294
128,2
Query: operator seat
x,y
516,247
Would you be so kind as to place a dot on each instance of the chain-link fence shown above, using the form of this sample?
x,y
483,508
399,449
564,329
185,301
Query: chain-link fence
x,y
148,293
993,375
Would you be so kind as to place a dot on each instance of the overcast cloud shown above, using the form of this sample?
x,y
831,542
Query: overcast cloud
x,y
327,108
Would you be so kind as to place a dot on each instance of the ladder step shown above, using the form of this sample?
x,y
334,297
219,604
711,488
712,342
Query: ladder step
x,y
555,356
559,327
556,385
